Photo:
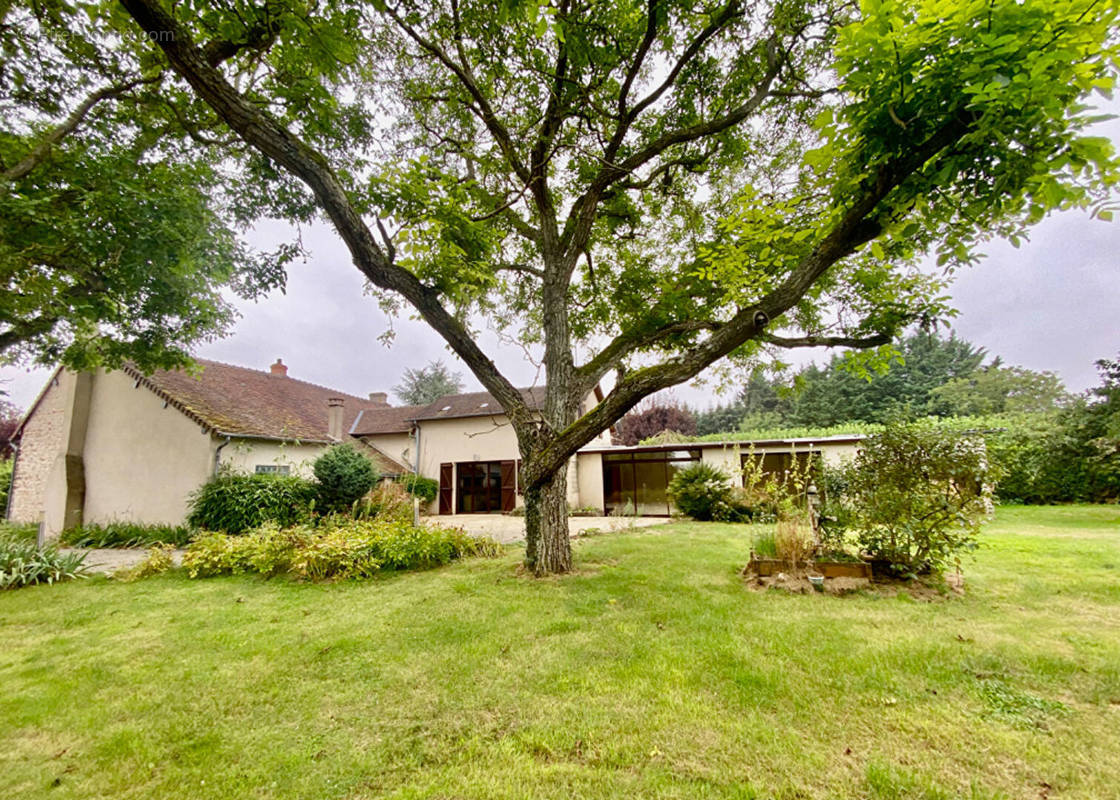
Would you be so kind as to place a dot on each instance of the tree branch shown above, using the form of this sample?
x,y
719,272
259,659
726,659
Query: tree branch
x,y
463,73
68,126
278,143
856,227
878,340
582,217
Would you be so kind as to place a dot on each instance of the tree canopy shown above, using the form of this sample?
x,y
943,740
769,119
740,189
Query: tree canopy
x,y
643,188
421,386
116,236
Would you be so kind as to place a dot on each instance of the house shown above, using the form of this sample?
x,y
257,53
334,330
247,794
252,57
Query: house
x,y
119,445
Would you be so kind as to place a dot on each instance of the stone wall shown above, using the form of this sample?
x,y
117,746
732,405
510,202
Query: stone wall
x,y
41,445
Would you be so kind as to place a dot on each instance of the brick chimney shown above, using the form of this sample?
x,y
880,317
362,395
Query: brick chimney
x,y
379,397
279,369
335,407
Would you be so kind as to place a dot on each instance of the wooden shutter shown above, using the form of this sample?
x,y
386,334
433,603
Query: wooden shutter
x,y
517,475
446,476
509,485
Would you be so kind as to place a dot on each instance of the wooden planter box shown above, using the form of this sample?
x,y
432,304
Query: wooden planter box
x,y
766,567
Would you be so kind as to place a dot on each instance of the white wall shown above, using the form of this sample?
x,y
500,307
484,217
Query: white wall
x,y
142,457
398,446
244,455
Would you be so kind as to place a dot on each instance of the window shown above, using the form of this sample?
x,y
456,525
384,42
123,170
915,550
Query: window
x,y
273,469
638,481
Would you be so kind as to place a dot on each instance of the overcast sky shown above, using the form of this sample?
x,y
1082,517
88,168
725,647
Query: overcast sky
x,y
1053,304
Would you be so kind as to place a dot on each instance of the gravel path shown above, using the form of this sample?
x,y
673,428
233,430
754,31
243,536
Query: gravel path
x,y
105,560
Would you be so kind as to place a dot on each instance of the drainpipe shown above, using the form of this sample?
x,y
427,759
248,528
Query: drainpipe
x,y
416,474
218,454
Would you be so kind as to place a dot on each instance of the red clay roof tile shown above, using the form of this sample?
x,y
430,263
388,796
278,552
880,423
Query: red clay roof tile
x,y
249,402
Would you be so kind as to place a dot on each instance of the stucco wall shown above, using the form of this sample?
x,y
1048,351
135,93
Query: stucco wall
x,y
590,477
398,446
142,458
41,447
725,458
244,455
729,457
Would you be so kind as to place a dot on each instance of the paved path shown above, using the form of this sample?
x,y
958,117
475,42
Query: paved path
x,y
507,529
110,560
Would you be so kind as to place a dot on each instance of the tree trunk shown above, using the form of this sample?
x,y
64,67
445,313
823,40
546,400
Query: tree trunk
x,y
548,550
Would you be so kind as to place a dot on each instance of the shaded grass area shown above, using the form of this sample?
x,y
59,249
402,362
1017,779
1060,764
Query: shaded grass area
x,y
652,672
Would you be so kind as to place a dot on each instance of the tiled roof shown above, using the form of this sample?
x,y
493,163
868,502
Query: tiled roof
x,y
249,402
476,404
397,419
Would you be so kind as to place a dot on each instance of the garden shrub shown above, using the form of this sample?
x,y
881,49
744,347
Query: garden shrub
x,y
20,531
235,503
916,495
418,486
339,548
702,492
388,501
6,467
344,476
584,511
335,553
158,560
22,563
126,534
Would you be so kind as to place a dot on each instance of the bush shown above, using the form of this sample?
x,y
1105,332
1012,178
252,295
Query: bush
x,y
427,489
235,503
339,548
22,563
126,534
158,560
702,492
915,494
584,511
344,476
6,466
387,501
20,531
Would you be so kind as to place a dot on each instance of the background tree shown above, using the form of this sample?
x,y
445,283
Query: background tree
x,y
762,403
421,386
839,393
115,238
997,389
10,416
642,188
653,418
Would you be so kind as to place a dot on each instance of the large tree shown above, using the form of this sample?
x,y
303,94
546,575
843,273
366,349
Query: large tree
x,y
642,188
116,242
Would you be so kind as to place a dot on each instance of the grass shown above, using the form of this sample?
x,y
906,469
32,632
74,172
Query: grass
x,y
651,673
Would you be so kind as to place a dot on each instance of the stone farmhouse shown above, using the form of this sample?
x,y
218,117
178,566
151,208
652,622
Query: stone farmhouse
x,y
119,445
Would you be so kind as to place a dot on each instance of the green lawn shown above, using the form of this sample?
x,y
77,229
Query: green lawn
x,y
651,673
